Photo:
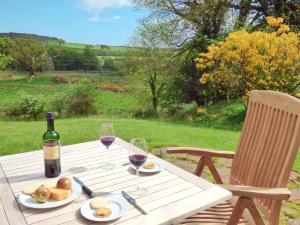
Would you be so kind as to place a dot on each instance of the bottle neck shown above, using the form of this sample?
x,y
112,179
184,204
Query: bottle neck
x,y
50,124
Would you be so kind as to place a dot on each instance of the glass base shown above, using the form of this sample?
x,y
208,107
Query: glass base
x,y
137,191
107,165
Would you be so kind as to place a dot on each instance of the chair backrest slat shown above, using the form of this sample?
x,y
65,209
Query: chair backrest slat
x,y
269,142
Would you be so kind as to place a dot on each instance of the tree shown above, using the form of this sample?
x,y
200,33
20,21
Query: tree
x,y
28,54
109,64
189,17
89,59
72,59
5,59
154,60
66,58
198,23
267,60
213,17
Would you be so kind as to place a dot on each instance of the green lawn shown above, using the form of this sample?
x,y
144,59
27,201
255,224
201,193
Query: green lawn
x,y
26,136
19,136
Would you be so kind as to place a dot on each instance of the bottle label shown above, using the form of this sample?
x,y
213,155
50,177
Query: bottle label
x,y
51,150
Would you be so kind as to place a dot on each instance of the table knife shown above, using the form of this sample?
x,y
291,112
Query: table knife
x,y
85,189
132,201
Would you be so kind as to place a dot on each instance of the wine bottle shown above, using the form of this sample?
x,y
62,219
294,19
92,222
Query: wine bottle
x,y
51,148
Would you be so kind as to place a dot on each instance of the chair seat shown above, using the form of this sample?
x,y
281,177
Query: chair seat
x,y
217,215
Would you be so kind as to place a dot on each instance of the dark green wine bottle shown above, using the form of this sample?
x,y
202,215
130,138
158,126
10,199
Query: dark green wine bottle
x,y
51,149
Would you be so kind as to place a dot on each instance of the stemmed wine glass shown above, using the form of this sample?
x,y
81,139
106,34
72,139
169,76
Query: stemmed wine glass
x,y
107,137
137,154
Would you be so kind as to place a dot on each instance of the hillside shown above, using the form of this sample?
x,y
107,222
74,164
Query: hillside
x,y
35,36
100,50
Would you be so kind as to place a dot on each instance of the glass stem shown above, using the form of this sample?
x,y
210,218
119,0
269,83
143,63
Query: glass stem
x,y
138,178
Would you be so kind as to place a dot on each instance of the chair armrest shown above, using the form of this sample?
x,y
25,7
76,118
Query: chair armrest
x,y
258,192
201,152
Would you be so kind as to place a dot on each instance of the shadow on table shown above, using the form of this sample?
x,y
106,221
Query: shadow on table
x,y
18,178
133,171
73,170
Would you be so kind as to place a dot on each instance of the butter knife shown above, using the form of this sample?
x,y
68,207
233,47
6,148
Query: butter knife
x,y
85,189
132,201
88,191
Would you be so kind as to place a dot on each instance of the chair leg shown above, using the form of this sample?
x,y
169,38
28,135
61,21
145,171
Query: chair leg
x,y
242,204
205,161
275,215
237,211
254,212
200,167
213,171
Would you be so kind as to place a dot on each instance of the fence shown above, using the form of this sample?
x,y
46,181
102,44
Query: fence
x,y
98,76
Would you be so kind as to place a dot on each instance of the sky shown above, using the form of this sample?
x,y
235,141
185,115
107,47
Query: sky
x,y
109,22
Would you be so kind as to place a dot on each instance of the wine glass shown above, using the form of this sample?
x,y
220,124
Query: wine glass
x,y
107,137
137,154
107,134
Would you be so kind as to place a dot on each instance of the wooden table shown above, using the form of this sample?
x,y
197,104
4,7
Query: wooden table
x,y
171,194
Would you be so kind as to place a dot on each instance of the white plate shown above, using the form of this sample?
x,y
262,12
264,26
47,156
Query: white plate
x,y
159,166
118,207
28,201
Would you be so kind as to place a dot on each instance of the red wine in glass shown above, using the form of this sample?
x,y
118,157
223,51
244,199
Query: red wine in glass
x,y
107,140
107,134
137,154
137,160
107,137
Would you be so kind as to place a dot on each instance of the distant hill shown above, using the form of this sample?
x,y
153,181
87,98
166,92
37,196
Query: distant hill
x,y
102,51
40,38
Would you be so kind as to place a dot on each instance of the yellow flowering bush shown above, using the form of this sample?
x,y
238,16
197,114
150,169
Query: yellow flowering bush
x,y
252,60
201,110
274,22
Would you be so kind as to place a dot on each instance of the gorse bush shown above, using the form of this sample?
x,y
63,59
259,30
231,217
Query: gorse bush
x,y
110,87
26,107
266,60
81,99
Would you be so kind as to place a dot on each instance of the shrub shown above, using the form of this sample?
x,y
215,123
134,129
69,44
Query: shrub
x,y
267,60
234,112
81,100
27,107
60,103
229,114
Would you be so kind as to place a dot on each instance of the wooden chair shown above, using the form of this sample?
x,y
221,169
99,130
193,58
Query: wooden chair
x,y
261,165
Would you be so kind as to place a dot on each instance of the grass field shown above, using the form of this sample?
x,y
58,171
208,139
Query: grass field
x,y
99,50
108,103
20,136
